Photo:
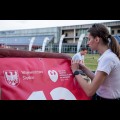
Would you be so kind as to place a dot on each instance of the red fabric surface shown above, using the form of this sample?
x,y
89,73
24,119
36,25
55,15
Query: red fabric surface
x,y
28,75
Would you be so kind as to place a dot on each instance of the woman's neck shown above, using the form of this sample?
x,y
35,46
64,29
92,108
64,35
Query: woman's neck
x,y
102,49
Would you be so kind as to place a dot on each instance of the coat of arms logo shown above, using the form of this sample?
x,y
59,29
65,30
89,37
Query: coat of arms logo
x,y
12,77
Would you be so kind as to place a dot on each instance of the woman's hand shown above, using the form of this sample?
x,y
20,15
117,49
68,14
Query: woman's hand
x,y
81,66
75,65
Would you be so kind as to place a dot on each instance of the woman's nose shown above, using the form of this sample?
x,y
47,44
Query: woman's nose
x,y
88,43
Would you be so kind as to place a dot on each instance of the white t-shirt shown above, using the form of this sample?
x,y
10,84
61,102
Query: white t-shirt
x,y
110,64
78,56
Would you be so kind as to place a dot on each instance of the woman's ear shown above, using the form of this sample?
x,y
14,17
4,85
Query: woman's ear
x,y
97,39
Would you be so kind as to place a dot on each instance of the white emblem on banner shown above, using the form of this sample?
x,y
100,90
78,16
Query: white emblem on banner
x,y
11,77
53,75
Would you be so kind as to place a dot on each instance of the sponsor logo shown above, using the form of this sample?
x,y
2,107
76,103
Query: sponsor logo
x,y
11,77
53,75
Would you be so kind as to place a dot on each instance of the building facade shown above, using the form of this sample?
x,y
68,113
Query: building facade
x,y
20,39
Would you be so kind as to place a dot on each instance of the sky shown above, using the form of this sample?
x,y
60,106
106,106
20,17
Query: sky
x,y
30,24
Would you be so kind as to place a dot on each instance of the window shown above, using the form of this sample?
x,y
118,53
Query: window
x,y
76,34
66,34
118,31
112,31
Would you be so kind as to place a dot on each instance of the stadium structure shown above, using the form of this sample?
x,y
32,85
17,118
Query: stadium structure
x,y
21,39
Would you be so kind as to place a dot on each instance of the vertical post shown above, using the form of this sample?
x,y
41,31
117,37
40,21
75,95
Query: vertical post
x,y
109,29
80,42
31,43
44,43
60,43
74,35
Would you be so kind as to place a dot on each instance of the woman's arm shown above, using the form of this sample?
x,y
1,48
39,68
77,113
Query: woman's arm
x,y
88,72
97,80
76,64
91,88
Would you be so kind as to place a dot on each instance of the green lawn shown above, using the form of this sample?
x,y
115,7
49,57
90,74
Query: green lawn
x,y
90,60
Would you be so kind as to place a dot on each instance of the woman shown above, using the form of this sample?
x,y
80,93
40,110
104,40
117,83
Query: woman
x,y
105,83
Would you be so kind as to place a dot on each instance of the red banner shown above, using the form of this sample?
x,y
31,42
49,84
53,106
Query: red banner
x,y
38,79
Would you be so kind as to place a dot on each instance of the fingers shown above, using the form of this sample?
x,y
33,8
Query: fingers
x,y
74,65
75,61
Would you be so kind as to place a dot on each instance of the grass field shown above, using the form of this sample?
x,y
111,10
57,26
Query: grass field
x,y
90,61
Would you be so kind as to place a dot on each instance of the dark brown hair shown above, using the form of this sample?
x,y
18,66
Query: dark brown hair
x,y
83,49
101,31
